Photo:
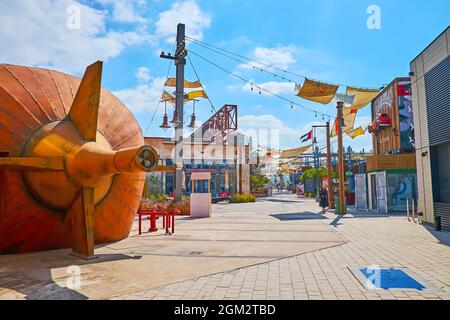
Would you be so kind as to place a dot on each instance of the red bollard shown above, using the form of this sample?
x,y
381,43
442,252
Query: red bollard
x,y
167,216
173,219
140,222
164,218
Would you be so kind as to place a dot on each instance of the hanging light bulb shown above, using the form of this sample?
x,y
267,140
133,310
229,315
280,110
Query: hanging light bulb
x,y
192,124
176,118
165,124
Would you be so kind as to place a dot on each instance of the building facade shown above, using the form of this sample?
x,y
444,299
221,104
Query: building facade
x,y
431,104
391,180
228,163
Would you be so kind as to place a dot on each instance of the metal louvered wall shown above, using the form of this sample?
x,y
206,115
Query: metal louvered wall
x,y
443,210
437,88
437,91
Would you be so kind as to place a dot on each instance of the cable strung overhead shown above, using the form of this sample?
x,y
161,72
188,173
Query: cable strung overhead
x,y
312,90
260,88
229,54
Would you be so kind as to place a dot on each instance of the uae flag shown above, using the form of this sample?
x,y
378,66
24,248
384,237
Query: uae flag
x,y
307,136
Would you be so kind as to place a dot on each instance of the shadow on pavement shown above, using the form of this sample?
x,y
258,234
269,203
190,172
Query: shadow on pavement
x,y
281,200
299,216
442,236
335,223
35,281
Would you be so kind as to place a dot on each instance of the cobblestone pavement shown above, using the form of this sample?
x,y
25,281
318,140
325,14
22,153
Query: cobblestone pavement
x,y
371,240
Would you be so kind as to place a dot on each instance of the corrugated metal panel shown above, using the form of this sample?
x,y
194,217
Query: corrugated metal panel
x,y
437,87
443,210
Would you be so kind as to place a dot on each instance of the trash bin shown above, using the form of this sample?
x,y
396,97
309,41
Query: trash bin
x,y
437,223
337,206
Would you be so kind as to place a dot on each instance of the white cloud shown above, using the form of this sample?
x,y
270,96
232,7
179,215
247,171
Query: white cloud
x,y
126,11
143,74
146,95
36,33
268,130
310,62
281,57
271,86
187,12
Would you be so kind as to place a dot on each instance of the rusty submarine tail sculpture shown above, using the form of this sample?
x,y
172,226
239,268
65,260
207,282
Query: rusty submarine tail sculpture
x,y
72,162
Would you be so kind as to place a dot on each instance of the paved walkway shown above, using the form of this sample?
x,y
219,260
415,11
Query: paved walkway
x,y
371,240
236,236
278,248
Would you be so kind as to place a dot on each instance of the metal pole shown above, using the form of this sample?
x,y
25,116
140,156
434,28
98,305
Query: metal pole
x,y
330,182
407,209
342,206
179,92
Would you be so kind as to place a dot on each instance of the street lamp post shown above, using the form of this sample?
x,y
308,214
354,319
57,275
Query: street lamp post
x,y
180,61
342,206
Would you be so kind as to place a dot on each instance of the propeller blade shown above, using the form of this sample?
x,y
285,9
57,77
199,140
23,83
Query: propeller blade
x,y
32,164
84,110
81,216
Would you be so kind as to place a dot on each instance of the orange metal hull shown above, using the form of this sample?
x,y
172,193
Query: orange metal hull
x,y
31,98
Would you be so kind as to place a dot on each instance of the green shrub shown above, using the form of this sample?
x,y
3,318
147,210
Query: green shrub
x,y
317,173
158,198
243,198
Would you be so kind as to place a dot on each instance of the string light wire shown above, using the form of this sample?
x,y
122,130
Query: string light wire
x,y
260,88
211,47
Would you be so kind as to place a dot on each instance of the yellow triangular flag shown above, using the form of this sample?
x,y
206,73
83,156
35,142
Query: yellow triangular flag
x,y
197,94
356,133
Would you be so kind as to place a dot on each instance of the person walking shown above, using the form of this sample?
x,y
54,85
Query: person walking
x,y
323,199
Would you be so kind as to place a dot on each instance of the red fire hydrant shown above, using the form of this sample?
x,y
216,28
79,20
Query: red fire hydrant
x,y
153,217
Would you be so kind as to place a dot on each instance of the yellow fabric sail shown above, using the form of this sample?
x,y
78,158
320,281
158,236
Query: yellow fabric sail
x,y
292,153
362,96
167,97
197,94
316,91
172,82
349,116
356,133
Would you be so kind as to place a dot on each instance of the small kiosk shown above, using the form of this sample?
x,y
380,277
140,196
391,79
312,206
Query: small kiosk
x,y
201,195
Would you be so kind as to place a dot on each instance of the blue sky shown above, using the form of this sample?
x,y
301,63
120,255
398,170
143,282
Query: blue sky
x,y
323,39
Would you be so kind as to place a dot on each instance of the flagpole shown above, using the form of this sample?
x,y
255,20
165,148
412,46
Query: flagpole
x,y
330,182
329,171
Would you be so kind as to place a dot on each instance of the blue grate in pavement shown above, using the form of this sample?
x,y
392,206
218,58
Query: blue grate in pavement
x,y
391,279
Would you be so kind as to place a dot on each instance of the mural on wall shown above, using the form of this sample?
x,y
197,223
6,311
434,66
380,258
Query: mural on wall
x,y
384,102
406,118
